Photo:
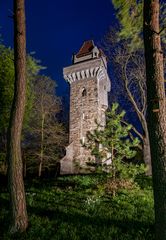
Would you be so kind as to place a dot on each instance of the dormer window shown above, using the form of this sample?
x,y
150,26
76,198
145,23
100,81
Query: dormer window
x,y
84,93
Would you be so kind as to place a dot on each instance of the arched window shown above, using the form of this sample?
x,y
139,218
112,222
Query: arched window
x,y
84,93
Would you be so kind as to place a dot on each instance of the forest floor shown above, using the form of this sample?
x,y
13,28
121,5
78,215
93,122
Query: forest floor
x,y
83,208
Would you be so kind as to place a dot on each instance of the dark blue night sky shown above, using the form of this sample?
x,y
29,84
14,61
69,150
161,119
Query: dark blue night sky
x,y
57,28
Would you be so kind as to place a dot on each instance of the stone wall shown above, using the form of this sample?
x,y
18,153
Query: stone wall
x,y
89,85
83,112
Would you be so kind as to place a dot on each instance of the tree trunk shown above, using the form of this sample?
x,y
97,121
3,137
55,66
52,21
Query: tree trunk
x,y
146,145
147,155
142,118
42,145
113,170
156,120
19,220
146,149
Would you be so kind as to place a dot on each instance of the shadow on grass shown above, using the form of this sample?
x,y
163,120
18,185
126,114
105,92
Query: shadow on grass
x,y
72,216
97,221
67,207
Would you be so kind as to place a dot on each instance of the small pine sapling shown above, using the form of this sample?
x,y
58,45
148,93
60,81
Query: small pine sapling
x,y
111,146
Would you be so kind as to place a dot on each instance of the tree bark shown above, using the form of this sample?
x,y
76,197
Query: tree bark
x,y
146,147
147,154
19,219
42,144
156,120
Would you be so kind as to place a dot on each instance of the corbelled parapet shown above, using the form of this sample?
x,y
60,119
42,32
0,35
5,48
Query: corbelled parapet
x,y
85,70
89,87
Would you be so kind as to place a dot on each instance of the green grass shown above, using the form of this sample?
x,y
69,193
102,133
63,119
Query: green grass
x,y
79,208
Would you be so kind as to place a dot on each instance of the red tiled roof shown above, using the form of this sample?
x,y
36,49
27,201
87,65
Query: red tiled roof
x,y
86,48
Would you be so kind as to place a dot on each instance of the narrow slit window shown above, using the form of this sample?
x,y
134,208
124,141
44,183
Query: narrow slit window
x,y
84,93
83,140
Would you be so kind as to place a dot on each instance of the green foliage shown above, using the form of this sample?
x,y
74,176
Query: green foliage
x,y
113,144
130,170
73,208
130,16
40,101
7,77
7,84
111,148
33,68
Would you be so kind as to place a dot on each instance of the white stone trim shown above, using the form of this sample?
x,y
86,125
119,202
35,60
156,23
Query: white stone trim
x,y
101,74
85,74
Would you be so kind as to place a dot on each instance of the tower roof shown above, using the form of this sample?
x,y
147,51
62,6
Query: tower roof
x,y
88,51
86,48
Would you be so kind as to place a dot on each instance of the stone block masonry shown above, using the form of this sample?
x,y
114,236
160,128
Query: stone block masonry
x,y
89,87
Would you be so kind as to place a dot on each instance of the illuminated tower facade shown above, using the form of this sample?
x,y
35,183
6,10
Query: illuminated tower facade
x,y
89,87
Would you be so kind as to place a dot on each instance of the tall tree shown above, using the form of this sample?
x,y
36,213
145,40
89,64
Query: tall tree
x,y
156,120
45,137
19,219
130,16
128,83
7,79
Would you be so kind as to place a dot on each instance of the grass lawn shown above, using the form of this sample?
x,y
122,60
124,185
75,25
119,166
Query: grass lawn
x,y
82,208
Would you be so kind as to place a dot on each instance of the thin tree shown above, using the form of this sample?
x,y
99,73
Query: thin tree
x,y
47,105
19,220
129,86
156,120
130,17
45,137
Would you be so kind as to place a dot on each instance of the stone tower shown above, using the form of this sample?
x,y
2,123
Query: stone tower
x,y
89,87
